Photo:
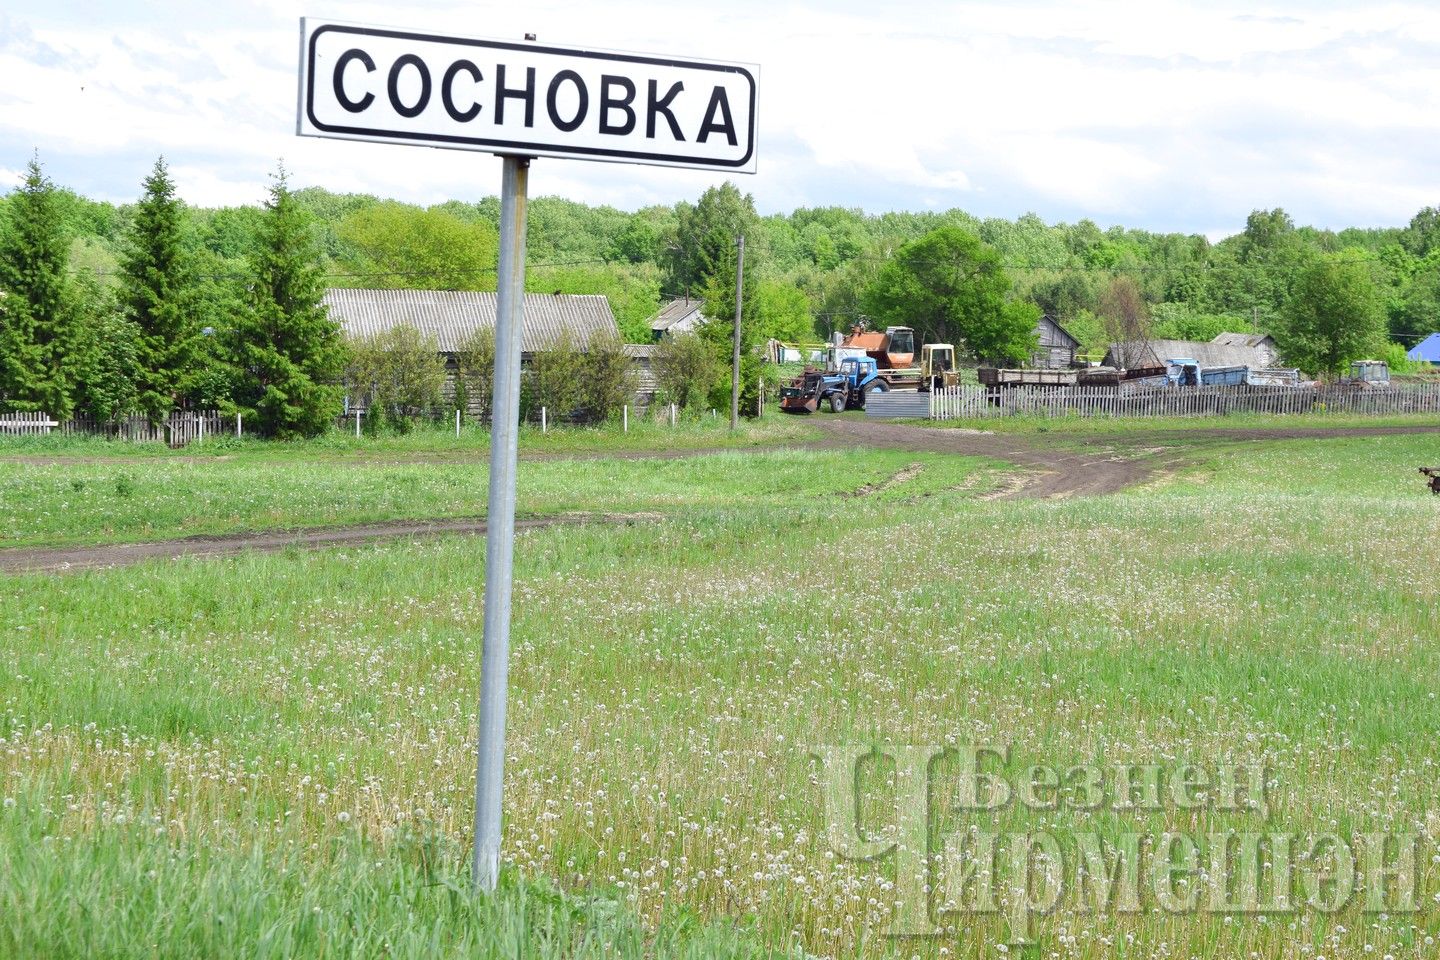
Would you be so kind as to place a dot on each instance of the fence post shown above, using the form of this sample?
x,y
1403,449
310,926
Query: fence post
x,y
625,418
457,423
357,423
237,426
544,420
672,415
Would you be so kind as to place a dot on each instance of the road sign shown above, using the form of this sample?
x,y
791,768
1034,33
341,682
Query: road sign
x,y
523,99
519,100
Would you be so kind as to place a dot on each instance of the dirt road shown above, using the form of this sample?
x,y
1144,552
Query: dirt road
x,y
67,559
1084,467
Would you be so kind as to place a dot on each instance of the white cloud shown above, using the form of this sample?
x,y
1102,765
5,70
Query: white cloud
x,y
1168,114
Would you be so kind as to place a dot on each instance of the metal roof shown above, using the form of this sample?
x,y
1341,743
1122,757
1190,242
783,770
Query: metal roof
x,y
1155,352
676,311
1427,349
1241,339
452,315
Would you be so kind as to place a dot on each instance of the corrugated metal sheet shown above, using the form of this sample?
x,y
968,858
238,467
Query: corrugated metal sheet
x,y
450,316
1241,339
897,404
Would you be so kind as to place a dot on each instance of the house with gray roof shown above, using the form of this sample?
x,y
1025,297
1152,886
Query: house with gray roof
x,y
451,316
677,316
1055,346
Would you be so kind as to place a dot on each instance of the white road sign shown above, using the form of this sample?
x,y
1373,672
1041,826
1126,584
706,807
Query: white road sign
x,y
524,99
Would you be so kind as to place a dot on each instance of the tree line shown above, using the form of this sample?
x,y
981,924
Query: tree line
x,y
111,309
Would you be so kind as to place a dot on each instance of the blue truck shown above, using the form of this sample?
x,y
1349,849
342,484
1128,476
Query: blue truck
x,y
1187,372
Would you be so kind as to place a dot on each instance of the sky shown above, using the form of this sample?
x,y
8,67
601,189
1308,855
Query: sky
x,y
1160,115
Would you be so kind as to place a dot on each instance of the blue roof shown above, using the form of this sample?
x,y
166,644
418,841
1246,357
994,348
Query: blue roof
x,y
1428,349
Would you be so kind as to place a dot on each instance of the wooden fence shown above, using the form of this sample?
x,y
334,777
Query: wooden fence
x,y
178,429
26,424
971,402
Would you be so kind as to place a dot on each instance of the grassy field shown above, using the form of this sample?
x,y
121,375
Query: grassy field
x,y
99,501
643,434
193,766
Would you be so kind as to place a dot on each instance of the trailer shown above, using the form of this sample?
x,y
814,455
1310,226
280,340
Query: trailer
x,y
995,378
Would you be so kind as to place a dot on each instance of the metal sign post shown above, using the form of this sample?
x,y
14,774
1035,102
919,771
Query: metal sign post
x,y
500,524
519,100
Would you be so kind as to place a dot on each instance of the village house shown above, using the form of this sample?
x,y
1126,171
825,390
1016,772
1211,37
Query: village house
x,y
451,316
677,316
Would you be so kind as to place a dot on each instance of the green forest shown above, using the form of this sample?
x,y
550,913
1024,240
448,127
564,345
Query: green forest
x,y
141,306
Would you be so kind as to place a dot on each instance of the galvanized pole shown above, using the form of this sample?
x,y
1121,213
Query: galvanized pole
x,y
500,524
735,354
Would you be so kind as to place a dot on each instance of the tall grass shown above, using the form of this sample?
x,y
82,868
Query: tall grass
x,y
277,731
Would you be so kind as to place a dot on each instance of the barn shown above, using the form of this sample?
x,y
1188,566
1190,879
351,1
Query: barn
x,y
1262,343
1055,349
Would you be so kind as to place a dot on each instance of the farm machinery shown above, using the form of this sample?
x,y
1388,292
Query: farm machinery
x,y
846,387
894,354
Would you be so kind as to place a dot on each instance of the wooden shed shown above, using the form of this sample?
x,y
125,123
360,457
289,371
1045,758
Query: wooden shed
x,y
1056,347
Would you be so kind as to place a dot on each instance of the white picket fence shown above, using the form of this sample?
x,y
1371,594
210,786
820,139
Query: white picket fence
x,y
970,402
26,424
178,429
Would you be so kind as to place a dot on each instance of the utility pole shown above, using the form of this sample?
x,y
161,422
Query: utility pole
x,y
735,354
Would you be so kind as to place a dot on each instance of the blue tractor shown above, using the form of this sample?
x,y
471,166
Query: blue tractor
x,y
848,387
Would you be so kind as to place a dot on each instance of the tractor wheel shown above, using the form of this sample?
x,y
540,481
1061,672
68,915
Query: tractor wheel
x,y
837,402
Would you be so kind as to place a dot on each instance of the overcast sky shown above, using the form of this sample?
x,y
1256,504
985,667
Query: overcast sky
x,y
1158,114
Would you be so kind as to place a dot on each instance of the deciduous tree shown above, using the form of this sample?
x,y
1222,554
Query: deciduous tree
x,y
1333,316
950,287
400,373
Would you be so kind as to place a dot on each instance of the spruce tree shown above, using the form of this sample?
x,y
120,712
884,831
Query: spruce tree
x,y
157,296
38,310
289,352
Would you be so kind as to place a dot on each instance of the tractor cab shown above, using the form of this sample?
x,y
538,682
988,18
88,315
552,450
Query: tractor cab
x,y
1370,371
1183,371
858,371
937,366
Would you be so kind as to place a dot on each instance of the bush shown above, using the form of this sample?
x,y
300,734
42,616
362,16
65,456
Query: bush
x,y
686,369
608,379
554,380
401,372
475,372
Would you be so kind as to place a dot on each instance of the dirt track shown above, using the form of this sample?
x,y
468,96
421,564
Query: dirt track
x,y
1105,463
66,559
1101,465
1058,473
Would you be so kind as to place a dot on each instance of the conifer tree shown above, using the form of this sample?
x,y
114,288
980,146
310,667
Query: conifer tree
x,y
157,296
289,352
38,311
